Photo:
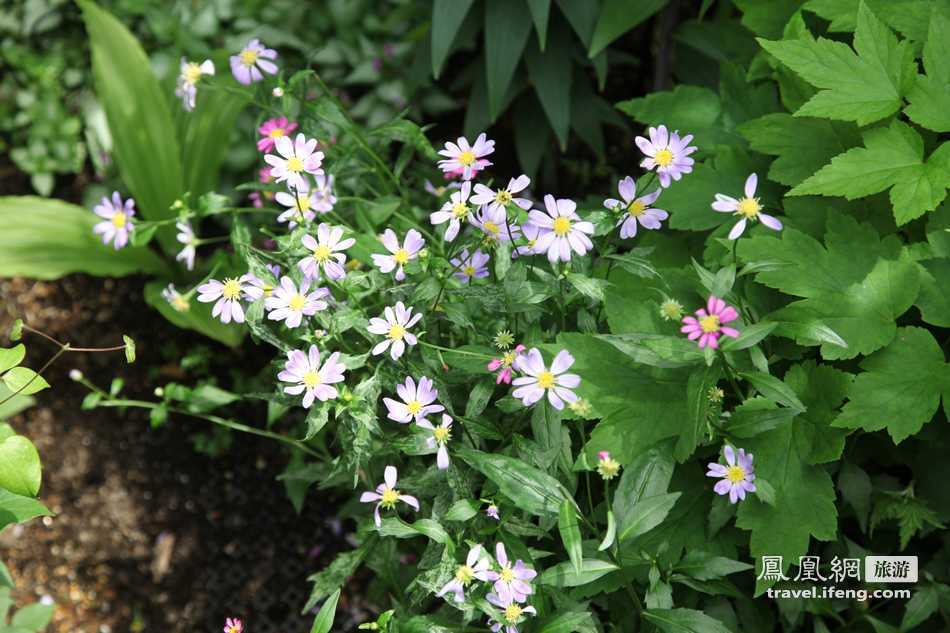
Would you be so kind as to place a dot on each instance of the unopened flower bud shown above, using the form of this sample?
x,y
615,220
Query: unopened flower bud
x,y
607,466
75,374
278,92
159,392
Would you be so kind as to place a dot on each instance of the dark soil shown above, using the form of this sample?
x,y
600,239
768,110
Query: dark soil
x,y
150,535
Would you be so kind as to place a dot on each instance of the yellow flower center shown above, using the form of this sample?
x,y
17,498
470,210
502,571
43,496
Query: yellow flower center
x,y
233,629
459,210
506,574
119,220
546,380
467,158
671,310
396,332
390,497
491,227
303,201
709,324
562,226
749,207
735,474
513,613
401,256
464,574
311,379
469,270
180,304
277,132
322,253
413,407
663,158
232,289
192,73
503,197
508,358
608,468
297,302
441,434
294,164
636,208
248,57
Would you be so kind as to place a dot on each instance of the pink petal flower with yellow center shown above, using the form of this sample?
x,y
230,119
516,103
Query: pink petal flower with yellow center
x,y
290,304
709,323
233,625
399,255
538,379
493,222
273,129
504,365
466,159
634,210
748,208
512,580
308,377
385,496
512,613
417,401
667,153
561,230
737,476
117,220
294,159
254,59
326,253
470,267
189,74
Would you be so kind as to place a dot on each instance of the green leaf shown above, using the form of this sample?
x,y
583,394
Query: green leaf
x,y
551,74
611,534
705,566
447,18
692,109
343,566
923,604
929,99
863,85
749,336
684,621
129,349
892,158
617,17
507,26
564,574
462,510
394,526
641,501
140,121
757,415
698,406
197,317
32,617
20,470
773,389
24,381
540,9
567,525
802,145
900,388
570,622
16,508
588,286
46,239
206,130
527,487
11,357
324,620
650,512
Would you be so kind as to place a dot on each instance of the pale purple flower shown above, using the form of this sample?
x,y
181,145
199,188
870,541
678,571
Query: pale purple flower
x,y
493,222
737,476
492,512
188,76
386,495
177,300
311,379
749,209
439,438
323,197
233,625
293,160
395,327
504,364
399,255
441,190
667,153
289,304
454,211
538,379
248,65
465,159
504,196
417,401
512,581
708,324
476,567
512,613
300,203
227,296
635,210
186,235
117,222
257,288
562,230
326,252
531,233
469,267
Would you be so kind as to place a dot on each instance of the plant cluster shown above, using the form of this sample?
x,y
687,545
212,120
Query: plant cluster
x,y
555,414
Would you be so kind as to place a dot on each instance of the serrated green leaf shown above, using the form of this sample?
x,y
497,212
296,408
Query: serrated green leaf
x,y
929,99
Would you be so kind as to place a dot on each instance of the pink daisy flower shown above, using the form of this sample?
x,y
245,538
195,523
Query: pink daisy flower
x,y
737,476
417,401
504,364
512,580
273,129
466,159
233,625
667,153
309,378
293,159
708,324
399,255
248,65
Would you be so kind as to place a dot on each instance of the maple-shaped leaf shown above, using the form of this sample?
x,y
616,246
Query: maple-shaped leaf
x,y
929,99
862,85
856,284
892,157
900,387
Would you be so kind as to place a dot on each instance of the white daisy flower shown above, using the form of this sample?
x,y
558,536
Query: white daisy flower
x,y
538,379
395,327
290,305
326,252
294,159
561,230
455,211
